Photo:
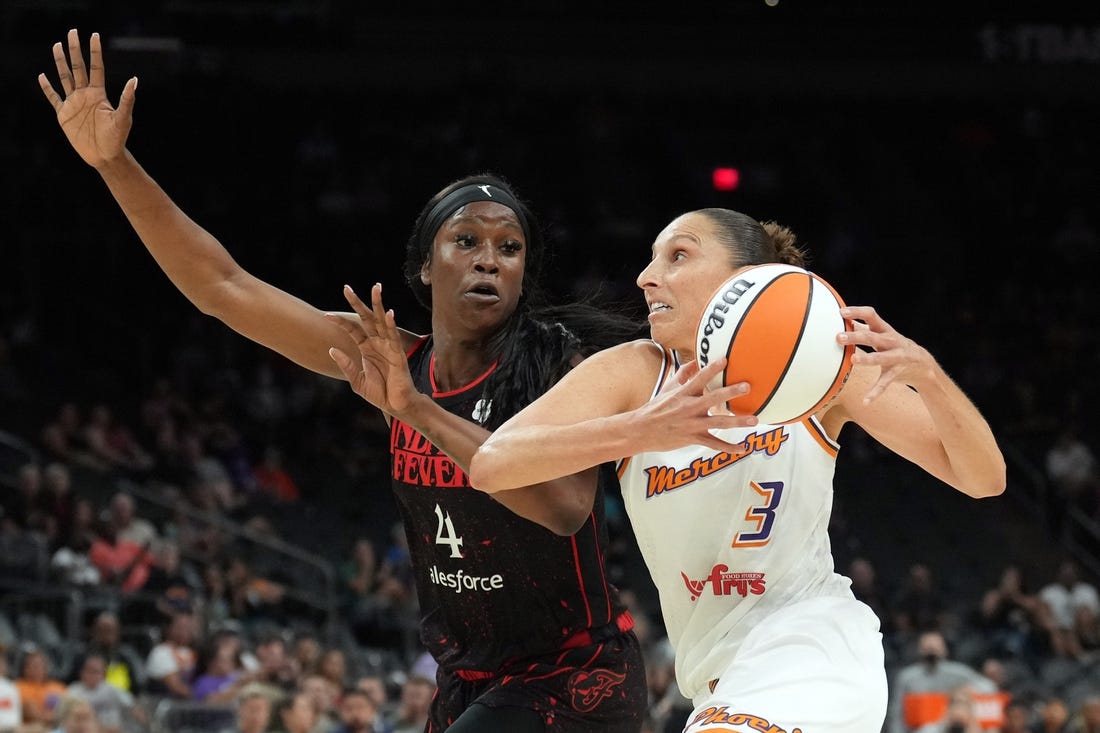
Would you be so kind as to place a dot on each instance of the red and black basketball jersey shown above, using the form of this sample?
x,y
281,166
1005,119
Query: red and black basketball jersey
x,y
493,587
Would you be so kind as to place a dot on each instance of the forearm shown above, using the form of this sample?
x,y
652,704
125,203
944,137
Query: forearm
x,y
974,459
561,503
193,259
522,456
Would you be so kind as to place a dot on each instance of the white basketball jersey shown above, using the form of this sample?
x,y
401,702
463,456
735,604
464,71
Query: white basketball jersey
x,y
730,537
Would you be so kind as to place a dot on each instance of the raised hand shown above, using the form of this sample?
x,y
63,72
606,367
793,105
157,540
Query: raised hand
x,y
900,359
96,130
381,373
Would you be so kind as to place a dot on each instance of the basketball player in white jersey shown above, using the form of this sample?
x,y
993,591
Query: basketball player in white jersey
x,y
732,516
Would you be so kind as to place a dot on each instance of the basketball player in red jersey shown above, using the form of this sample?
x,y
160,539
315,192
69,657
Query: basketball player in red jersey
x,y
528,632
732,516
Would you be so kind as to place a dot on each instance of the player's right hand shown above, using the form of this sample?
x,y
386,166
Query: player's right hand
x,y
96,130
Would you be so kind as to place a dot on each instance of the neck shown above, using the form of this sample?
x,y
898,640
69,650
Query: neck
x,y
457,362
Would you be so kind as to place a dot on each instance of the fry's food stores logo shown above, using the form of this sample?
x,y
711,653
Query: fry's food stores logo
x,y
725,583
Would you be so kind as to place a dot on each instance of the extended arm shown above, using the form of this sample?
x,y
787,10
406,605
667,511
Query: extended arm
x,y
191,257
902,397
601,412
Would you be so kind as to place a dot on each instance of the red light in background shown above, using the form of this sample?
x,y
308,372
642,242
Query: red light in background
x,y
726,179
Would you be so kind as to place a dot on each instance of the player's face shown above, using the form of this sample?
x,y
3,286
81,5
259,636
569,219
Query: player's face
x,y
688,265
476,267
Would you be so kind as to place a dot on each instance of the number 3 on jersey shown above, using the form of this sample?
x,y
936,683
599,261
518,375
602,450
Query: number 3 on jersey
x,y
449,538
763,514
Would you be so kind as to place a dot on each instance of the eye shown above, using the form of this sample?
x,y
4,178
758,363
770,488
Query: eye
x,y
465,240
679,255
511,247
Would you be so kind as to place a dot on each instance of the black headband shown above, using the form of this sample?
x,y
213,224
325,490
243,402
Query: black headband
x,y
458,198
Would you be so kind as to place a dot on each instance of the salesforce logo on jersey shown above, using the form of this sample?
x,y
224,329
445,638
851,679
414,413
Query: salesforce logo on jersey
x,y
460,581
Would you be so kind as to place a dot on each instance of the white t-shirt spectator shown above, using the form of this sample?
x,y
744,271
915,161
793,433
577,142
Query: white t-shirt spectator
x,y
11,708
166,659
1064,602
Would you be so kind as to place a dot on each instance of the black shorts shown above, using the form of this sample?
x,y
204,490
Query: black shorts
x,y
597,687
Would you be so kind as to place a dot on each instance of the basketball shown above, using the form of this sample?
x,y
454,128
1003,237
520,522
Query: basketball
x,y
777,327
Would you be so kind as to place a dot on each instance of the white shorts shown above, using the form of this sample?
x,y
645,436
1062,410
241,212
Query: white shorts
x,y
815,666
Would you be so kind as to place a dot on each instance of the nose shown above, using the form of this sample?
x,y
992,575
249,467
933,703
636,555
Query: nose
x,y
647,278
486,259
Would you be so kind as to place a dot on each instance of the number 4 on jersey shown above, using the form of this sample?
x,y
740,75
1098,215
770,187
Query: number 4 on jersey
x,y
449,538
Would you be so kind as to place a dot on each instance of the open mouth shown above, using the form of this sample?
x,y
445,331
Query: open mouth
x,y
483,292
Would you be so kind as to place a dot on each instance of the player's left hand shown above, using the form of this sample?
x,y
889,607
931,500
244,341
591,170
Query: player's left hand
x,y
900,359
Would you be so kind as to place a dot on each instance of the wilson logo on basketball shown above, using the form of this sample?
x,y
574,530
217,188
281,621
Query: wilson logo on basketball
x,y
719,716
724,583
716,319
668,478
590,687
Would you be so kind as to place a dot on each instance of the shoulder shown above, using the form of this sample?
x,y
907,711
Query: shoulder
x,y
634,355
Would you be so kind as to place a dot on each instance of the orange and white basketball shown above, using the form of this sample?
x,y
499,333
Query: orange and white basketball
x,y
777,326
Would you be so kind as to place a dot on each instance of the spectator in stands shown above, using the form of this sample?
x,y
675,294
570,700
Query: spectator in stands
x,y
272,478
1053,717
918,607
375,688
1017,717
112,706
358,714
253,712
63,440
276,673
306,651
960,717
1074,608
325,698
11,706
121,563
125,667
215,595
294,714
114,444
24,507
253,598
170,668
333,666
1073,473
1010,615
40,694
71,563
176,585
127,525
220,674
412,711
916,697
1087,719
77,716
56,500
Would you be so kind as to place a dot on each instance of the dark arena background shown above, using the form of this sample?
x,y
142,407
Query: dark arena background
x,y
940,161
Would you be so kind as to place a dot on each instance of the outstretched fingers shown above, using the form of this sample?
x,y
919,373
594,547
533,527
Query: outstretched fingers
x,y
51,94
76,58
95,61
63,72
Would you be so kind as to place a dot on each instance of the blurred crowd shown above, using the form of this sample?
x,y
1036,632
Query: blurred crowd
x,y
173,475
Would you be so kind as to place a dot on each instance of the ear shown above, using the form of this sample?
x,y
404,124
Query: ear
x,y
425,273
